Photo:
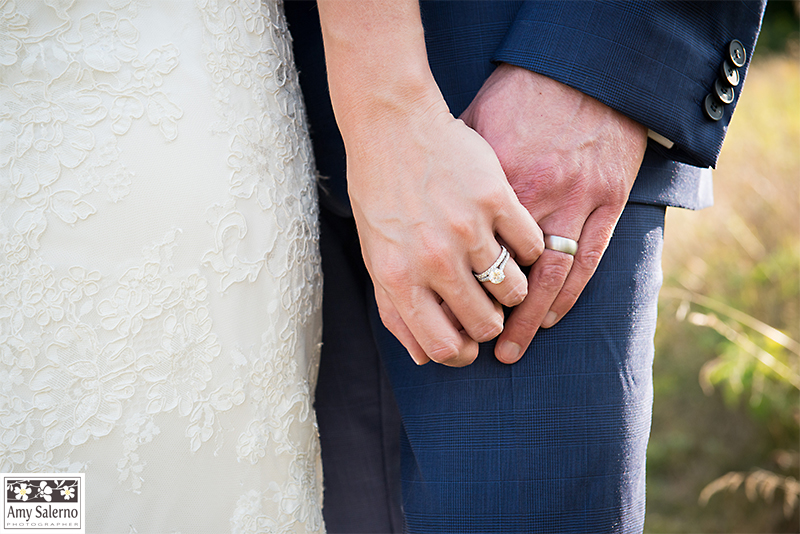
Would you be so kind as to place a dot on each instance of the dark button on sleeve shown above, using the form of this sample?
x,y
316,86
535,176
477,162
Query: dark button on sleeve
x,y
729,73
737,53
714,108
724,91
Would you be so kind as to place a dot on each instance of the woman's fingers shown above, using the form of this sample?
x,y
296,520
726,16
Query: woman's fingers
x,y
519,232
503,278
426,330
437,335
395,324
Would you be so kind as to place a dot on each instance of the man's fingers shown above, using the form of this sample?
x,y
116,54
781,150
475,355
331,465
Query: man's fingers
x,y
595,237
545,281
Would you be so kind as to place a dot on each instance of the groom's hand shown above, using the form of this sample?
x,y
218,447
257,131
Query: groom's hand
x,y
572,162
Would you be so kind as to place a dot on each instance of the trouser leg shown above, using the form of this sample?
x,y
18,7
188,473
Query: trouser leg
x,y
556,442
358,419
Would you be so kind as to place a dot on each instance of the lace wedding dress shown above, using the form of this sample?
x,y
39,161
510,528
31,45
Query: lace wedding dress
x,y
159,272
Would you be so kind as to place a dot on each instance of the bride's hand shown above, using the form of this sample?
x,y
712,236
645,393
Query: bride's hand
x,y
429,198
429,195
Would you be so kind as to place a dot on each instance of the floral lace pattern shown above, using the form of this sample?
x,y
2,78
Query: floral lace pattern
x,y
160,281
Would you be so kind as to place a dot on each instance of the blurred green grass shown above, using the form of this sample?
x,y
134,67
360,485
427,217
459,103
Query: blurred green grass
x,y
745,253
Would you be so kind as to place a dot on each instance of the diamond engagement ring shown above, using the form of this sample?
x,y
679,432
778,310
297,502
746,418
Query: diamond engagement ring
x,y
495,274
561,244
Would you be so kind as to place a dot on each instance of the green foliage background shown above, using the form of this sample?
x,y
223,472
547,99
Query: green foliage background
x,y
726,386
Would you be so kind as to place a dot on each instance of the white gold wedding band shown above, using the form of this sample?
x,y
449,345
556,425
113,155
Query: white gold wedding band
x,y
561,244
495,274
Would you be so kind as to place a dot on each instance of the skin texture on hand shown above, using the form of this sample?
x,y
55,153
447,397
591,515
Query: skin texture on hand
x,y
572,162
429,196
428,202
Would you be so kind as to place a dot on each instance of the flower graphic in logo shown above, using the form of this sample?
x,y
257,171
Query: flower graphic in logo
x,y
22,492
45,491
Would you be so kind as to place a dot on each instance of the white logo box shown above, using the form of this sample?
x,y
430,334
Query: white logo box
x,y
43,503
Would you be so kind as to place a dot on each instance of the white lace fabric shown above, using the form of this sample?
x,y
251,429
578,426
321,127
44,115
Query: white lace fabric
x,y
160,281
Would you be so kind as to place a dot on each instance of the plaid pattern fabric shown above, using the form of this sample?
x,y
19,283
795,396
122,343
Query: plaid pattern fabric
x,y
653,61
556,442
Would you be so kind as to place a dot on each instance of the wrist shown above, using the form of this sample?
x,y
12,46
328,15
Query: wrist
x,y
378,71
381,106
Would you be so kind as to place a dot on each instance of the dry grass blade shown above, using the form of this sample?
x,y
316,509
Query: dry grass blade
x,y
729,481
712,321
759,483
751,322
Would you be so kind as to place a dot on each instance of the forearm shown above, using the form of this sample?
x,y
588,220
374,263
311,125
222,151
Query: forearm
x,y
377,64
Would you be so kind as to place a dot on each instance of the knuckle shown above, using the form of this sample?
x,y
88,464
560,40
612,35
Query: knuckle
x,y
394,277
567,298
522,326
463,229
534,250
391,272
615,194
391,320
516,294
543,174
443,351
588,259
388,317
487,331
551,277
437,257
523,329
495,197
538,244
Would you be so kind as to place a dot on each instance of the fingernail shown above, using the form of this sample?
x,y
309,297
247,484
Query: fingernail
x,y
549,319
418,359
509,352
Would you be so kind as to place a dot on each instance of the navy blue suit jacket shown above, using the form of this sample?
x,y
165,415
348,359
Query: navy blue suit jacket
x,y
653,61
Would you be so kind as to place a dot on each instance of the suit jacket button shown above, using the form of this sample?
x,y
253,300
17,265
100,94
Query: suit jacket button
x,y
729,73
737,53
714,108
724,91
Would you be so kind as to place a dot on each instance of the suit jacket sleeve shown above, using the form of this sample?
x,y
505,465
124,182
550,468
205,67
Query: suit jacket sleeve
x,y
653,61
